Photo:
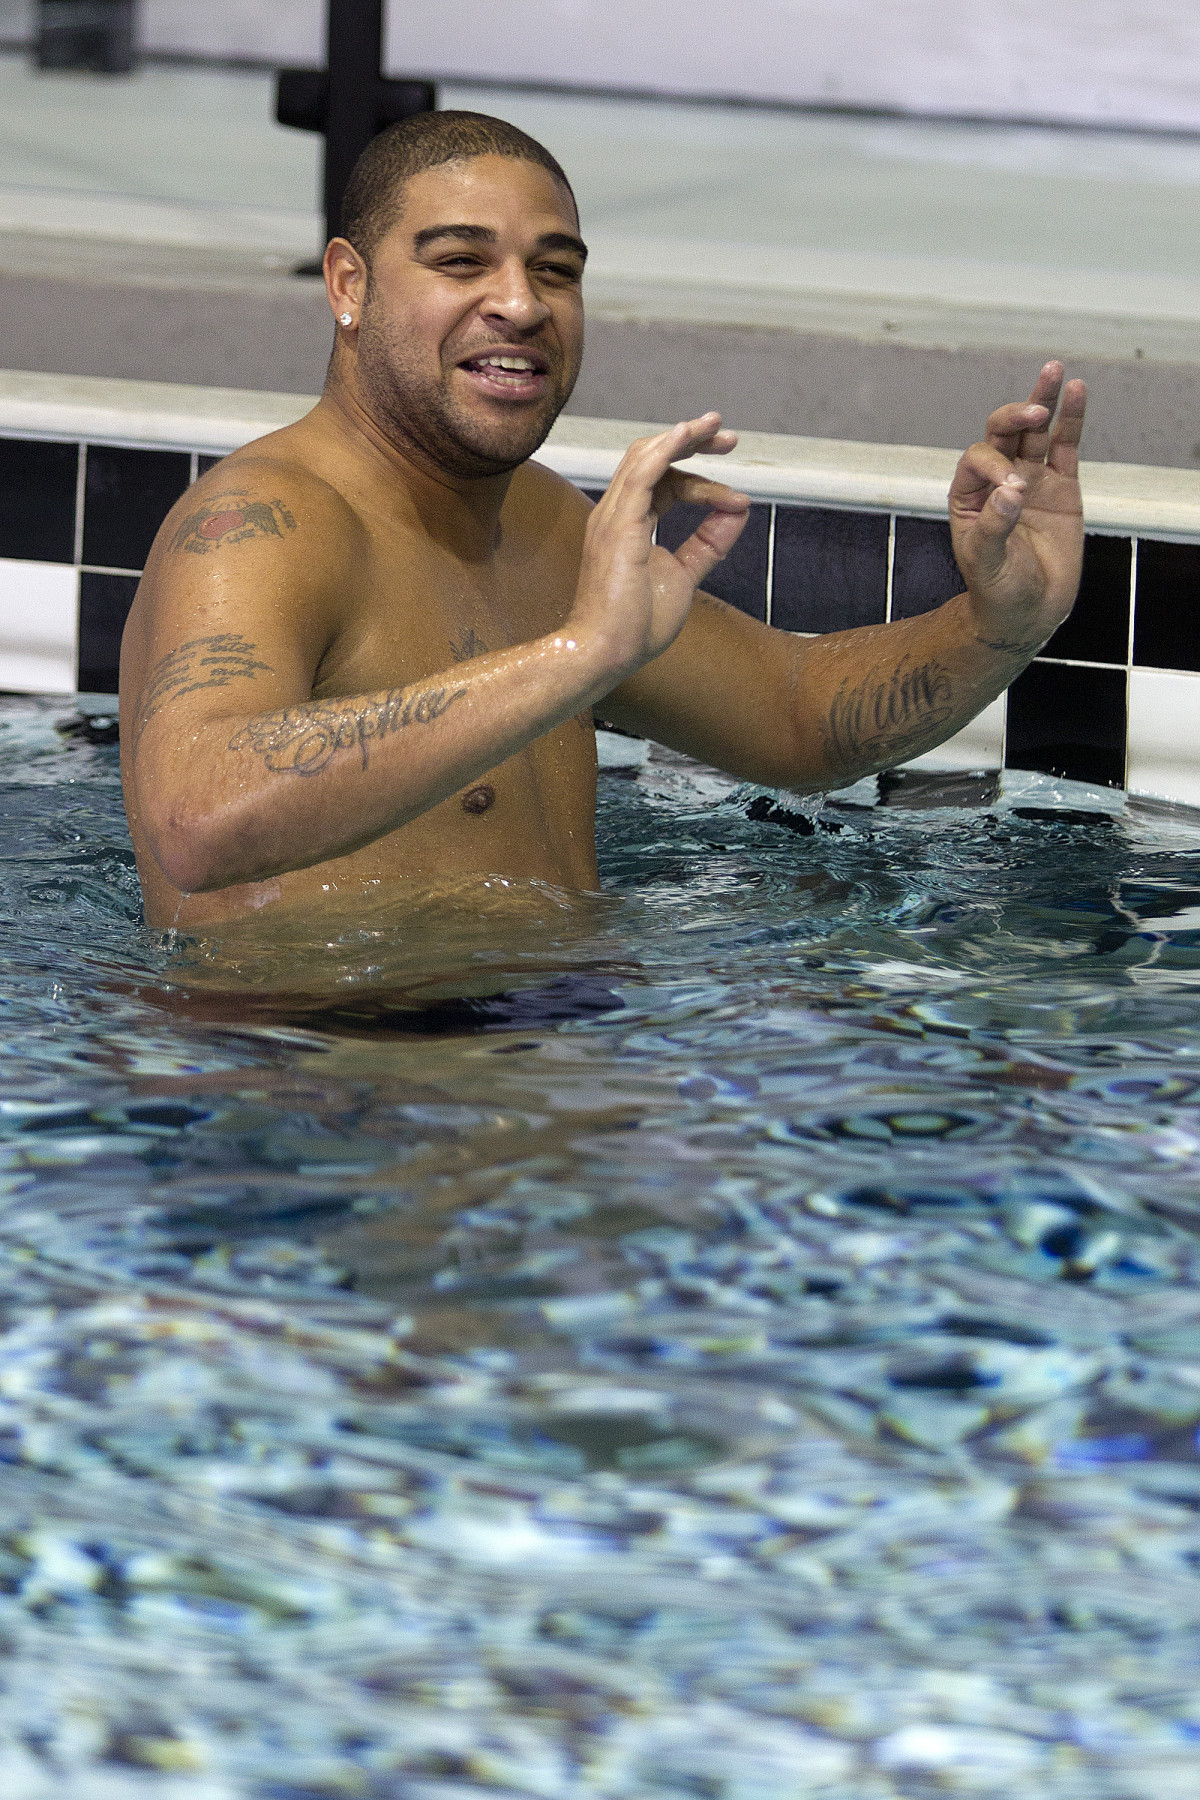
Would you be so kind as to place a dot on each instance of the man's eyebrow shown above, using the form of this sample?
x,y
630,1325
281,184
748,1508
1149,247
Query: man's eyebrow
x,y
475,234
563,240
483,234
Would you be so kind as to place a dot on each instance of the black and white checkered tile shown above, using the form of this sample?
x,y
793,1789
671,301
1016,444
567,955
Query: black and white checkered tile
x,y
1114,699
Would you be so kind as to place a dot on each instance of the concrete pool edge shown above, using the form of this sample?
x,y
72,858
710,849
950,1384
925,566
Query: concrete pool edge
x,y
912,478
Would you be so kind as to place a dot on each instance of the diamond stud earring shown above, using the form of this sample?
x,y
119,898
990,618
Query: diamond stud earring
x,y
347,318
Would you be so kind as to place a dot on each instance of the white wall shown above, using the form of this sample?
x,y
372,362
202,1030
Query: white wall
x,y
1133,62
267,30
280,31
16,21
1129,62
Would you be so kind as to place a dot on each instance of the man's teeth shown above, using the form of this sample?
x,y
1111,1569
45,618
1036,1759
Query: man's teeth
x,y
521,363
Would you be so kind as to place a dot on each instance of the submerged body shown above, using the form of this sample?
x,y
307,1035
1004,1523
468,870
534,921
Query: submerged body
x,y
367,649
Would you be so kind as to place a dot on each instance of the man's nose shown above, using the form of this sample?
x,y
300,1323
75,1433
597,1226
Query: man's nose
x,y
512,297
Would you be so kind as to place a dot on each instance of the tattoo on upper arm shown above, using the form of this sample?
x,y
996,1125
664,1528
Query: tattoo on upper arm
x,y
303,740
873,720
203,662
231,518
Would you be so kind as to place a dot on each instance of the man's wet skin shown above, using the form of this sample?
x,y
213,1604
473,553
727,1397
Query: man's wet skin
x,y
366,649
363,550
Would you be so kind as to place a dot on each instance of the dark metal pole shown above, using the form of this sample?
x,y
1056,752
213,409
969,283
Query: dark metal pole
x,y
349,100
354,55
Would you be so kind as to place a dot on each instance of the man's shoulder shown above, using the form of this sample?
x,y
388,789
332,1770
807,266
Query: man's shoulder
x,y
547,501
263,491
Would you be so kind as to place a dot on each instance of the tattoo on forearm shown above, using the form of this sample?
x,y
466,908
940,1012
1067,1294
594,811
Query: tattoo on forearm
x,y
203,662
873,720
1019,647
303,740
231,518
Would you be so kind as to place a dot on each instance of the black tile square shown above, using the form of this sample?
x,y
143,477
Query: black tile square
x,y
37,500
924,573
830,569
1166,634
205,463
742,578
104,603
128,494
1098,628
1068,722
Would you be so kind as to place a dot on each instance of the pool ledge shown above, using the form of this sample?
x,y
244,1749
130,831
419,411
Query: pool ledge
x,y
908,478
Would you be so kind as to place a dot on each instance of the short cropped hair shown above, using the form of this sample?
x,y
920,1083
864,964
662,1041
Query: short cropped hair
x,y
374,192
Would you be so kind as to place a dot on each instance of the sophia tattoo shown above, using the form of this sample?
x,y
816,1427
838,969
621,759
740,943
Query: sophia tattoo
x,y
303,740
231,518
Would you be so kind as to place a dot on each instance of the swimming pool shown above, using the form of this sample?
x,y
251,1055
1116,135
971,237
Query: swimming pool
x,y
758,1358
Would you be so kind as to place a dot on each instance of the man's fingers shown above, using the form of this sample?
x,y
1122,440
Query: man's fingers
x,y
1036,440
984,471
718,443
1064,442
696,490
647,459
691,437
1024,430
983,530
712,540
1007,425
1048,383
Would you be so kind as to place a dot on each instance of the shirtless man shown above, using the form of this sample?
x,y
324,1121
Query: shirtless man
x,y
366,648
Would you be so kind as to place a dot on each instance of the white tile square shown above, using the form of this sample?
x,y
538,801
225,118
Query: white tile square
x,y
39,627
979,745
1164,735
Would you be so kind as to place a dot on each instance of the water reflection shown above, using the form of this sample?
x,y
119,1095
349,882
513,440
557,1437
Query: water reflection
x,y
785,1381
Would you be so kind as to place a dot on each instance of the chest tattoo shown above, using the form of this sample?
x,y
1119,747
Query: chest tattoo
x,y
468,645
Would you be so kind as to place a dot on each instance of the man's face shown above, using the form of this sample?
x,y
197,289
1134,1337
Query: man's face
x,y
471,332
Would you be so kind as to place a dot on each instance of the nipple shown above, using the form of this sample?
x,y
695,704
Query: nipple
x,y
478,799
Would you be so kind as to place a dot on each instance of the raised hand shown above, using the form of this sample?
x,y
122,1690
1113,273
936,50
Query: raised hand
x,y
633,595
1016,517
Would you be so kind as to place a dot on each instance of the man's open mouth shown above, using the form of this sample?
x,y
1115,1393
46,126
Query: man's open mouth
x,y
516,373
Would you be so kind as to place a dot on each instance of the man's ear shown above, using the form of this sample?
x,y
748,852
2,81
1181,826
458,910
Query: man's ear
x,y
345,282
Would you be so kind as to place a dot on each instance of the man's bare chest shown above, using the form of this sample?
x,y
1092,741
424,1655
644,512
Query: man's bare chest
x,y
414,613
418,618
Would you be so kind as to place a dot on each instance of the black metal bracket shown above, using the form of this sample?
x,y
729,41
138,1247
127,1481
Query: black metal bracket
x,y
302,100
96,35
350,101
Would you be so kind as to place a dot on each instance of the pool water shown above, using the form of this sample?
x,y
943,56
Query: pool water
x,y
747,1348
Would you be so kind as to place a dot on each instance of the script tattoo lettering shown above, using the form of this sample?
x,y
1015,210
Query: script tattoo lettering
x,y
875,719
203,662
303,740
1024,648
231,518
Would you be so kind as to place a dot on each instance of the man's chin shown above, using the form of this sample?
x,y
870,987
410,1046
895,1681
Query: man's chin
x,y
498,445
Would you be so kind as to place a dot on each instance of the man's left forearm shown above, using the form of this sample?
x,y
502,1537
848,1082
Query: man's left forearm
x,y
870,698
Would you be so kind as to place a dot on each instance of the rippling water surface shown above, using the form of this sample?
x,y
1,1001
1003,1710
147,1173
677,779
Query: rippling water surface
x,y
757,1357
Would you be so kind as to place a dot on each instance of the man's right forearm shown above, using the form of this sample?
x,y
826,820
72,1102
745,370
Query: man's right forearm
x,y
246,798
